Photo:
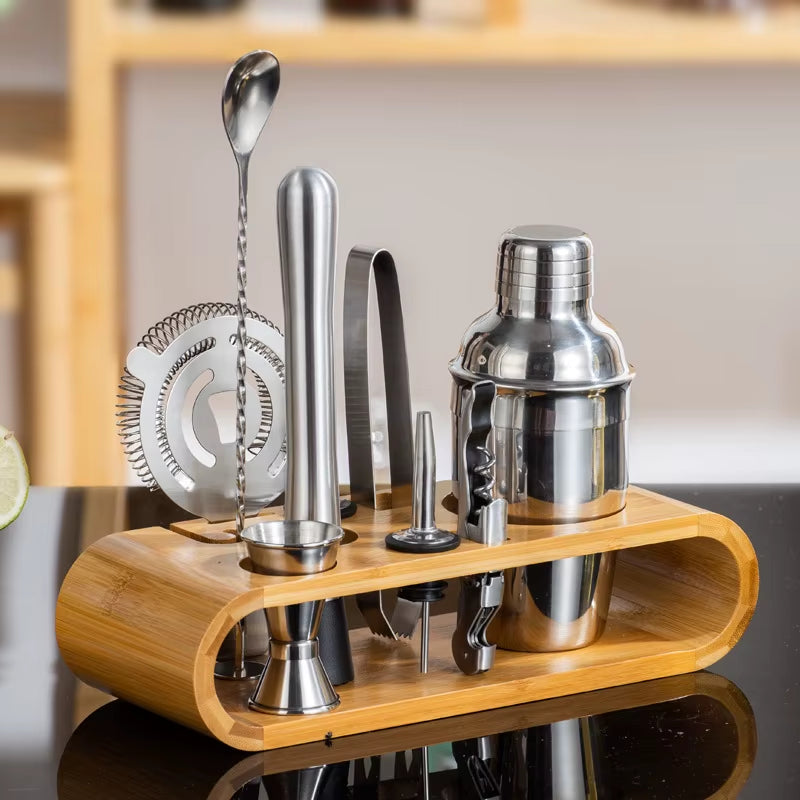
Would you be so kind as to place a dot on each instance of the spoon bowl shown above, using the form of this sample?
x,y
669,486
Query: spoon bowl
x,y
247,99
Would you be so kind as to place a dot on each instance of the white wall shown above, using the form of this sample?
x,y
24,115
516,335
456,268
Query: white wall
x,y
33,44
688,180
32,56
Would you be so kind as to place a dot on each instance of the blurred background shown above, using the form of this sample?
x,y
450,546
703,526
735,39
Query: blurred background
x,y
669,131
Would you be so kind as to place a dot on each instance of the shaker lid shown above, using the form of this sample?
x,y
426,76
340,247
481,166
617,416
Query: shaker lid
x,y
543,335
544,243
545,262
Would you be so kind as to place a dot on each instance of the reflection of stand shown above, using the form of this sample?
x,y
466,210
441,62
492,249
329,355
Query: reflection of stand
x,y
326,782
560,761
695,733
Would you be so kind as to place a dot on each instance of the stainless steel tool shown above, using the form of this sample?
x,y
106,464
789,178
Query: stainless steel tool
x,y
559,426
247,98
173,427
307,221
478,603
481,518
171,394
362,264
423,536
292,547
556,605
294,680
559,432
174,424
425,770
377,615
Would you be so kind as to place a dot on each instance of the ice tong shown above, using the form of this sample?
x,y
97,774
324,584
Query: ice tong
x,y
362,264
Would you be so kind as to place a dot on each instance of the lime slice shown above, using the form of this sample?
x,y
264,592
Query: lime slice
x,y
14,480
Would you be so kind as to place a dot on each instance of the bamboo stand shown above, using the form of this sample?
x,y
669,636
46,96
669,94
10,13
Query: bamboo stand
x,y
143,614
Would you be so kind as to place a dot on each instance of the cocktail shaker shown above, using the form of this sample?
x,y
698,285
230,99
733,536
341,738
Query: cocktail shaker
x,y
559,434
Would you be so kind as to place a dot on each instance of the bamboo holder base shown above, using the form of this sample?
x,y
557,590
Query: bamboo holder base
x,y
143,613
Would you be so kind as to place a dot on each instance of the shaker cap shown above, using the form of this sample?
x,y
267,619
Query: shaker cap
x,y
545,263
529,245
543,334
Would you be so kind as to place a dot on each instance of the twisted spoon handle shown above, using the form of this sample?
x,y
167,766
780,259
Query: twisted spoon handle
x,y
241,358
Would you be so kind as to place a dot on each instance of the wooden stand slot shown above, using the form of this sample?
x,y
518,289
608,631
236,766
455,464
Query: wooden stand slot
x,y
143,614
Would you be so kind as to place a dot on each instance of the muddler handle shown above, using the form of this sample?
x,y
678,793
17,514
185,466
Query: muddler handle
x,y
308,207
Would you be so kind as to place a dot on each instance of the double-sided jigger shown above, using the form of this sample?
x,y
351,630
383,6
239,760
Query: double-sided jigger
x,y
294,680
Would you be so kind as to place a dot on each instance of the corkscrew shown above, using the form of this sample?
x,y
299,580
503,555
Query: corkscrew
x,y
483,486
482,518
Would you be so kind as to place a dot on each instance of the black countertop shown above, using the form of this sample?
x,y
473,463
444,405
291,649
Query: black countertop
x,y
731,732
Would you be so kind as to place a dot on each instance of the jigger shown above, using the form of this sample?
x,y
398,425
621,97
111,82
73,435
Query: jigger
x,y
294,680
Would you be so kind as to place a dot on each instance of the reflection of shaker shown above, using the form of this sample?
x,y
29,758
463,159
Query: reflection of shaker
x,y
311,783
552,762
559,428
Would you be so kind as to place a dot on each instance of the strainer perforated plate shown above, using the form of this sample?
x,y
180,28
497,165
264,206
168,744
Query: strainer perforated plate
x,y
177,410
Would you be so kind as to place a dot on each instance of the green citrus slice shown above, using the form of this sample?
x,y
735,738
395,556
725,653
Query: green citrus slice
x,y
14,480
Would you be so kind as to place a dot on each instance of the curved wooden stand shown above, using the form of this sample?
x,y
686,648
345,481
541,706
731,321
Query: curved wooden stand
x,y
143,613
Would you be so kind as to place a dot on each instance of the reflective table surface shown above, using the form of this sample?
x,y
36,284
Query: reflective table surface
x,y
731,732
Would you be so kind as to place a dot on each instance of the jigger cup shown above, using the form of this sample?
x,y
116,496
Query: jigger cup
x,y
294,680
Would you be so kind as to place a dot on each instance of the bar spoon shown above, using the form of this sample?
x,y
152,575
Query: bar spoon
x,y
251,87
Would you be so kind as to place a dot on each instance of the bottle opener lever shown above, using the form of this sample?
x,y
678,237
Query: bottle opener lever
x,y
477,605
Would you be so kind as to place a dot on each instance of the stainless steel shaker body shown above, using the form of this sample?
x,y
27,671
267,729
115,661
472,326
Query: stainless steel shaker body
x,y
561,457
559,425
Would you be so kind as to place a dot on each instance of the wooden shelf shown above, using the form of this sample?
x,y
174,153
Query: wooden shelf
x,y
32,142
557,32
9,287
